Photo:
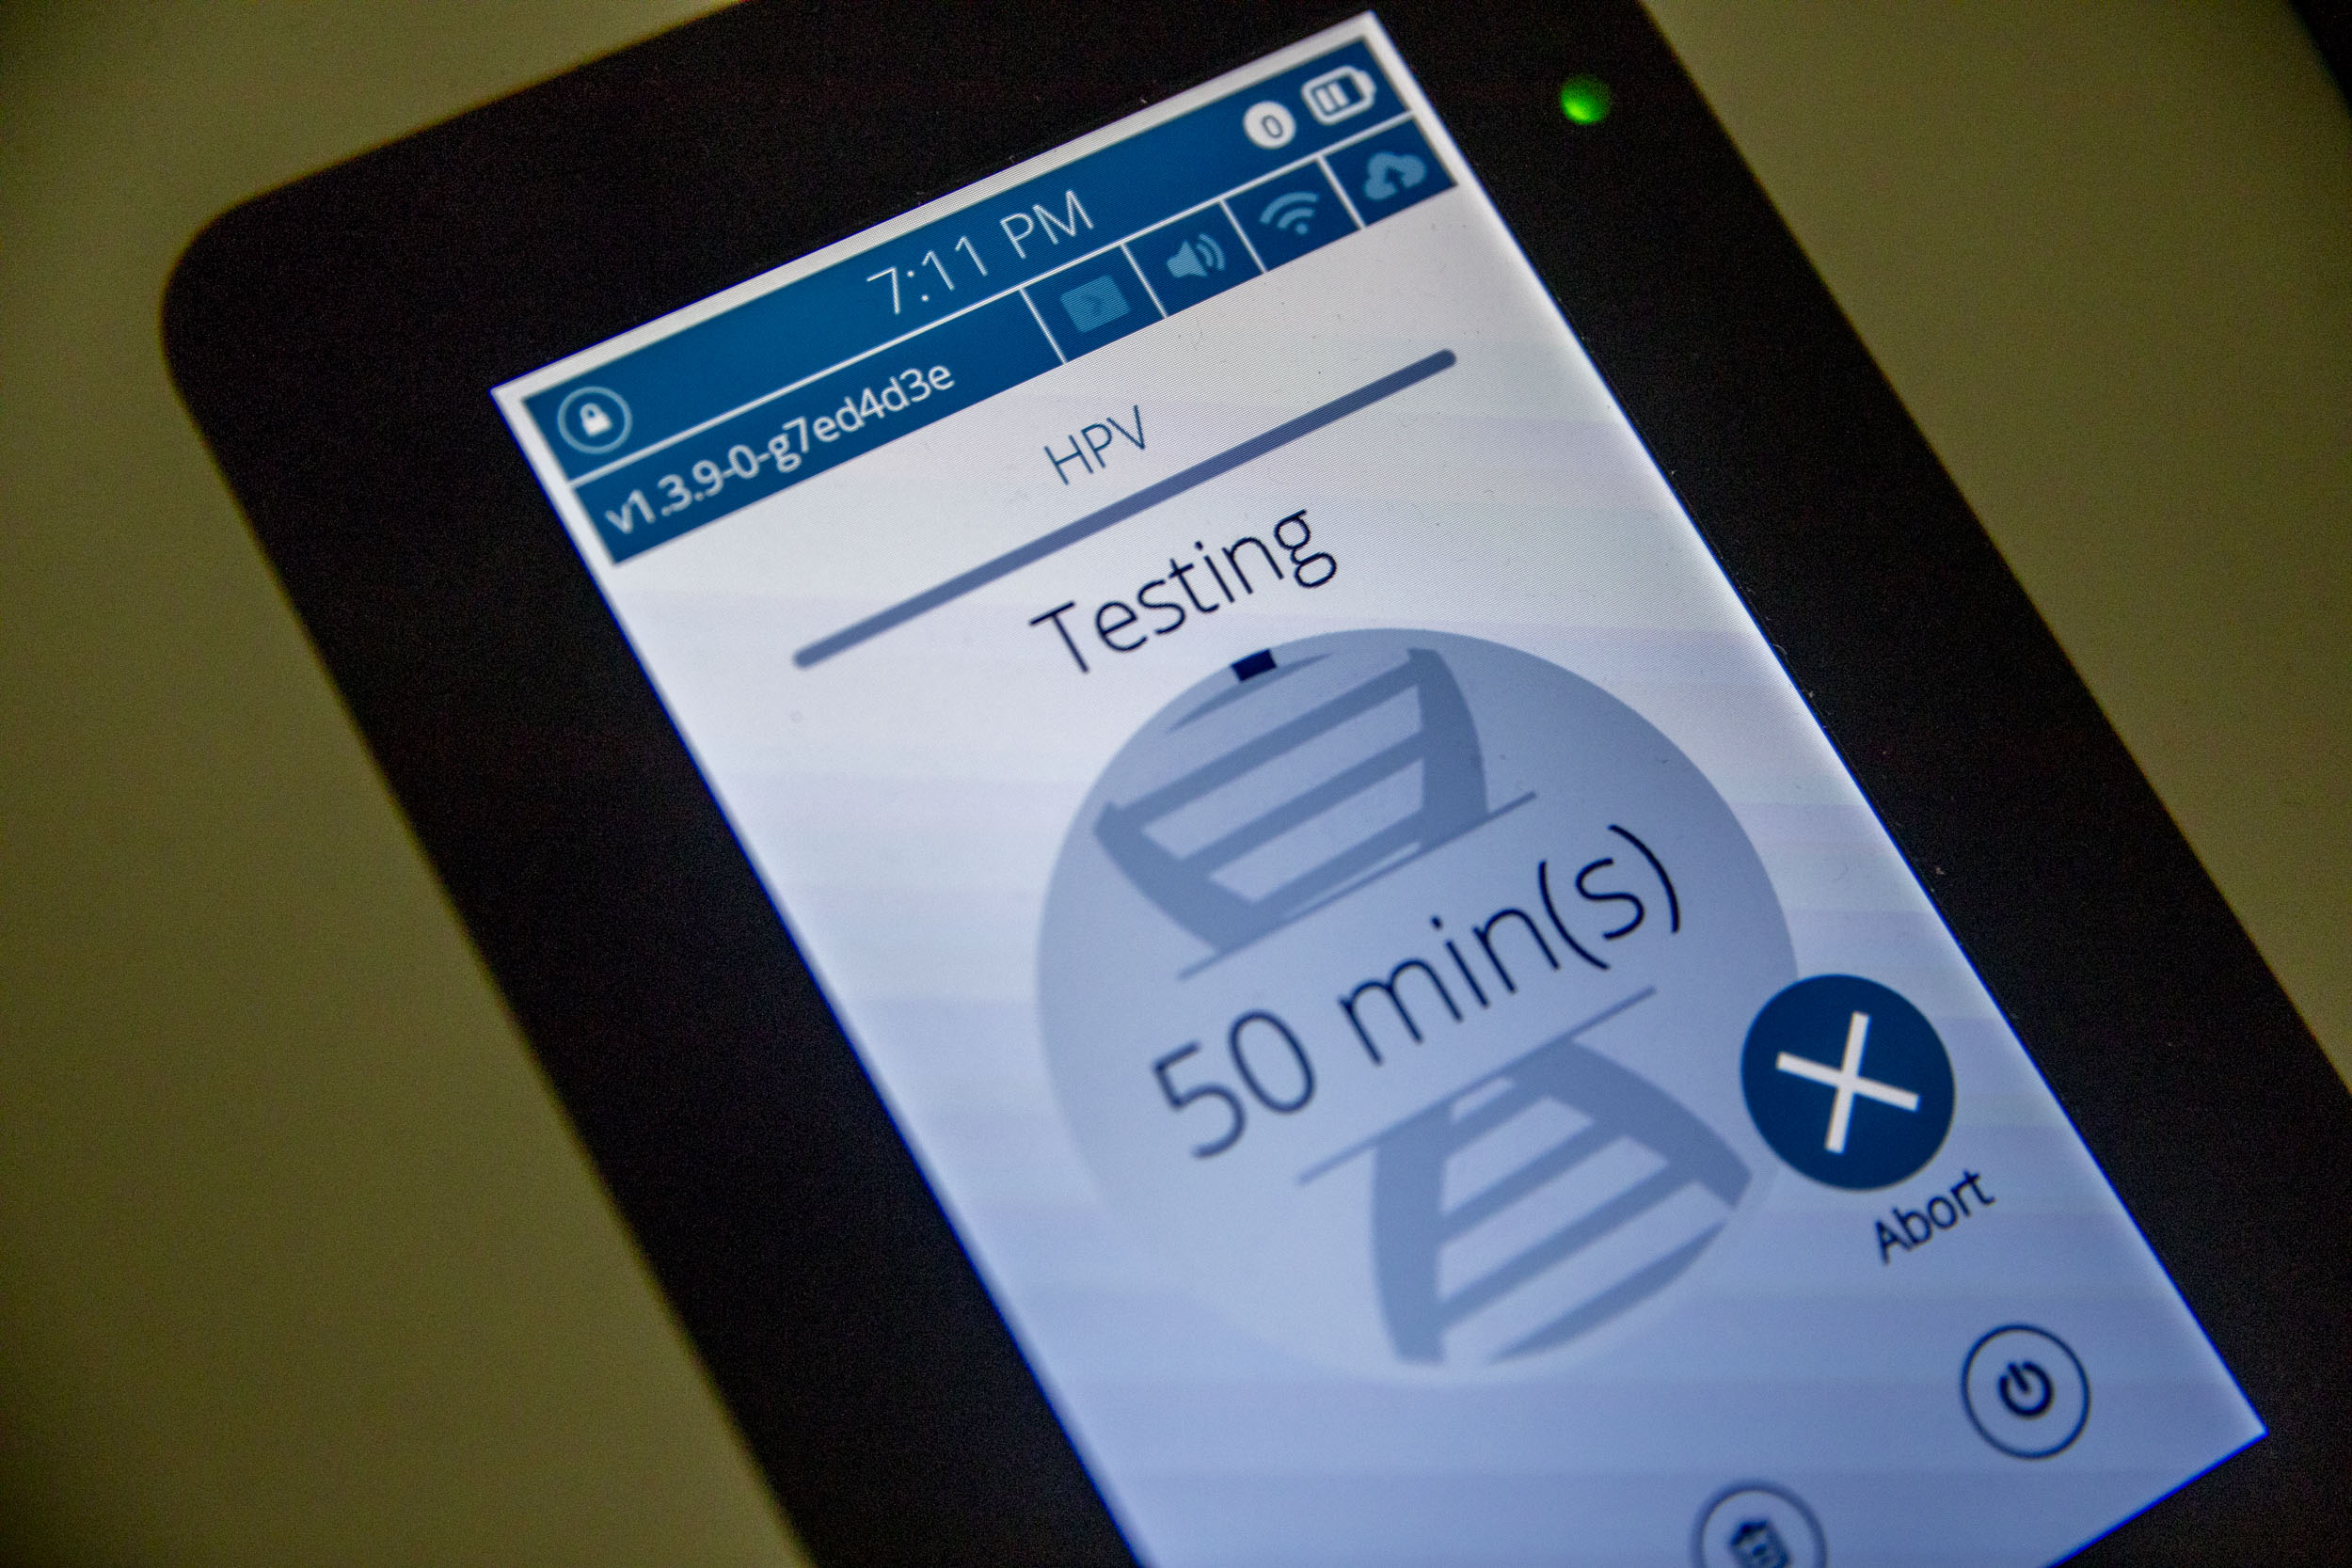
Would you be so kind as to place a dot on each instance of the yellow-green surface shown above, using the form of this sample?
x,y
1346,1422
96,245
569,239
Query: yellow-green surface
x,y
2104,253
298,1262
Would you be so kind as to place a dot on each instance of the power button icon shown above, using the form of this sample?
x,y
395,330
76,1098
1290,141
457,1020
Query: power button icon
x,y
2025,1391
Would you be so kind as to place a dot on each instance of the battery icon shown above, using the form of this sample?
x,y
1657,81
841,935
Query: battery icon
x,y
1338,95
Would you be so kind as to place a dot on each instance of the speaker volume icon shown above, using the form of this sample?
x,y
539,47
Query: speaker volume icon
x,y
1197,258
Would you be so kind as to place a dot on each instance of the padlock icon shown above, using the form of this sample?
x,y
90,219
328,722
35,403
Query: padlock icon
x,y
592,418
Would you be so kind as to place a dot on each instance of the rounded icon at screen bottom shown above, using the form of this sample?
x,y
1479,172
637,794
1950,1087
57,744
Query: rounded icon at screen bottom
x,y
1754,1524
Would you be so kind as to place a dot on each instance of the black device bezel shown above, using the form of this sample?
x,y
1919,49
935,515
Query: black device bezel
x,y
336,342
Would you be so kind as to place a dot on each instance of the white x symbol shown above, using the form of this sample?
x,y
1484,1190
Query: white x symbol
x,y
1847,1079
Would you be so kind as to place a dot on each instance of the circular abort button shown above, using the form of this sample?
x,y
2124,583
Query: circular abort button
x,y
1847,1082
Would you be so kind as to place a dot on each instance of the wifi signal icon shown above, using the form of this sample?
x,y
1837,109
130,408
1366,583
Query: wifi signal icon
x,y
1292,213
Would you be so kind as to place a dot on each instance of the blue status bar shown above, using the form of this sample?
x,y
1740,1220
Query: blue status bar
x,y
720,414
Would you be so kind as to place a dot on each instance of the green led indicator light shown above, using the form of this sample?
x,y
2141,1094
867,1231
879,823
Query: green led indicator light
x,y
1585,99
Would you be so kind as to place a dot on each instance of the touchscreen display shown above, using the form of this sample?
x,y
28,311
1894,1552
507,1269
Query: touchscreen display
x,y
1434,1056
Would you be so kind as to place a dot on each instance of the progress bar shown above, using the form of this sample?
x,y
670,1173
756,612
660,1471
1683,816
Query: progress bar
x,y
1119,511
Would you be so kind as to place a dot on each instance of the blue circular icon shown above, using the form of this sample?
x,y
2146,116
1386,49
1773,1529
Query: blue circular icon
x,y
593,419
1847,1082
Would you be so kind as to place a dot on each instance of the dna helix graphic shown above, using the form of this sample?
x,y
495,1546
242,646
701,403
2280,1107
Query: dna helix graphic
x,y
1294,844
1452,801
1414,1217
